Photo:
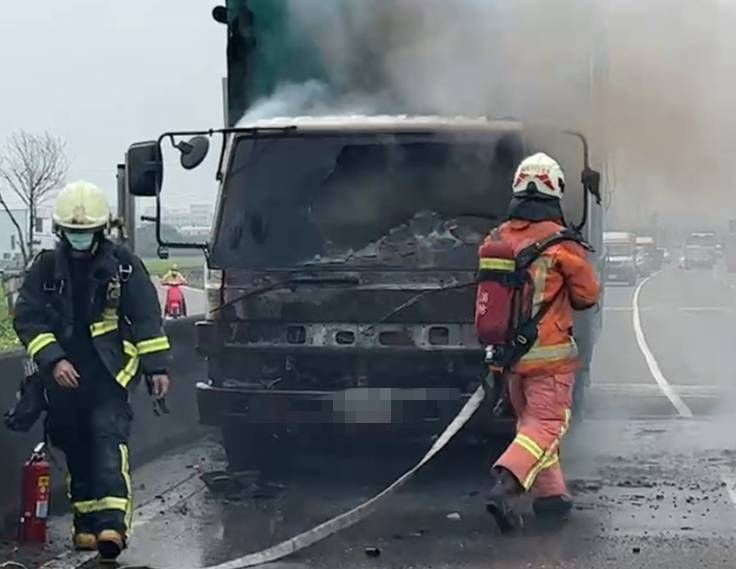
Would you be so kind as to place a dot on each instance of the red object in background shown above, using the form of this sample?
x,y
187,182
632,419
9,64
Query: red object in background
x,y
35,494
175,306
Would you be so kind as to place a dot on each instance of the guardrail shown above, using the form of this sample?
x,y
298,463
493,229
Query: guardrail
x,y
152,435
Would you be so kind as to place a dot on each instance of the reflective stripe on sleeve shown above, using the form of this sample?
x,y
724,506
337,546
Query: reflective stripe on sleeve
x,y
40,342
160,344
126,375
103,327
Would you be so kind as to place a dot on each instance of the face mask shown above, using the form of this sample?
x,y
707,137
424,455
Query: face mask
x,y
80,241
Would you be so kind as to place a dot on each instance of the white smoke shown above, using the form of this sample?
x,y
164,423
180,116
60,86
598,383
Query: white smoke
x,y
645,80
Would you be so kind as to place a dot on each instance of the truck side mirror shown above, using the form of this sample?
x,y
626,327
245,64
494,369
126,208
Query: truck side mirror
x,y
193,151
591,180
144,169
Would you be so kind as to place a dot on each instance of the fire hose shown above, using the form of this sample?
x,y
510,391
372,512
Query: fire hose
x,y
360,512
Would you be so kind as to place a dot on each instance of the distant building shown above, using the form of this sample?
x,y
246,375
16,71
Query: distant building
x,y
195,232
195,216
10,248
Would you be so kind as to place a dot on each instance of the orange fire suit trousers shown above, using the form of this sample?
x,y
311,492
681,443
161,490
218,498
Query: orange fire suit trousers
x,y
543,406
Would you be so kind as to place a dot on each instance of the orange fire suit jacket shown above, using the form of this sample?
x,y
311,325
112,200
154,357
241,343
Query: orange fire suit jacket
x,y
564,276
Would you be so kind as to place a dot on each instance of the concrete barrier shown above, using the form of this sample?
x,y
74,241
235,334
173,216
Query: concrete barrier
x,y
152,435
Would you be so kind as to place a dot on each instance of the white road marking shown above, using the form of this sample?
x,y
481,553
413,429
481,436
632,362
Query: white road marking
x,y
654,369
650,390
679,308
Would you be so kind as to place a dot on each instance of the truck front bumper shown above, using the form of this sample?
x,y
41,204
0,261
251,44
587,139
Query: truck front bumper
x,y
358,409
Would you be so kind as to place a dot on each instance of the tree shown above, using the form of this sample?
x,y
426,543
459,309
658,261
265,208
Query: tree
x,y
32,166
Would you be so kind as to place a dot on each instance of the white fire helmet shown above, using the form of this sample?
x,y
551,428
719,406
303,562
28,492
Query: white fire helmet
x,y
81,206
539,174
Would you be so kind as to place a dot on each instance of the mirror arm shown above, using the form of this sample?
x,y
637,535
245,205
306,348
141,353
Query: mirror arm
x,y
586,190
204,247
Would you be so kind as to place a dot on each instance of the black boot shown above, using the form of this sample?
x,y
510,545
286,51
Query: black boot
x,y
504,488
110,544
552,507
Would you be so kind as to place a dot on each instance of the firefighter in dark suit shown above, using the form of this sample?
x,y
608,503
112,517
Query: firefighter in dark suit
x,y
90,318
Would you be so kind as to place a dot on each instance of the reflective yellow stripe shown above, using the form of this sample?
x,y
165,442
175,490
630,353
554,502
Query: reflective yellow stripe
x,y
491,264
108,503
40,342
160,344
540,269
126,375
125,469
550,456
556,352
529,445
103,327
550,461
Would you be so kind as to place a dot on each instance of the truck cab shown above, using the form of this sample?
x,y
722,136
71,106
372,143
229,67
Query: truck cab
x,y
342,264
650,257
701,250
621,257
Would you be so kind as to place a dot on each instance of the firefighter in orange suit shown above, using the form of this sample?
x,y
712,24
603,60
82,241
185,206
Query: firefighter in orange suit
x,y
540,385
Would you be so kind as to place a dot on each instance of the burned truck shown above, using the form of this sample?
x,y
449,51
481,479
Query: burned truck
x,y
341,266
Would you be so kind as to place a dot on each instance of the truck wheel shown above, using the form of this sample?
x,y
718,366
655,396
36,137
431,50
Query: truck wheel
x,y
250,448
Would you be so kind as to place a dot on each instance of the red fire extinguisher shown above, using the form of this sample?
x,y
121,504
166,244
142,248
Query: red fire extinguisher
x,y
35,491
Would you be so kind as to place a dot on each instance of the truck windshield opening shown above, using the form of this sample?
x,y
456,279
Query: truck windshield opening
x,y
370,199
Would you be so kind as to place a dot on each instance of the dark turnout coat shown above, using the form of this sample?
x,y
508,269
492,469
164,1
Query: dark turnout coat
x,y
123,315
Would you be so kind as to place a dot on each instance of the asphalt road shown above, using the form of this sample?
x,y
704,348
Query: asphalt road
x,y
653,468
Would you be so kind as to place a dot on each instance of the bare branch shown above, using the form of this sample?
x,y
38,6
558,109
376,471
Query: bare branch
x,y
18,229
32,166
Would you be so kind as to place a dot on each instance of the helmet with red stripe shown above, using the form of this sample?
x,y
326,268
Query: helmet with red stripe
x,y
539,175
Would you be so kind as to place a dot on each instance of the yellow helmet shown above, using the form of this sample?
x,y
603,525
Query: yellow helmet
x,y
81,206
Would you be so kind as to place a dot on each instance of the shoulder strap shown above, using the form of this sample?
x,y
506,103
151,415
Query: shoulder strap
x,y
527,256
531,253
47,262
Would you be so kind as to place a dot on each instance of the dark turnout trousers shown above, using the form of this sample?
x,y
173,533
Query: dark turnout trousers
x,y
91,426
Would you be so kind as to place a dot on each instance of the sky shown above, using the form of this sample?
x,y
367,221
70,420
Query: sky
x,y
103,74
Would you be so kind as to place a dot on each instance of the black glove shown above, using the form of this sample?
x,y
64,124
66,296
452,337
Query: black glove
x,y
29,406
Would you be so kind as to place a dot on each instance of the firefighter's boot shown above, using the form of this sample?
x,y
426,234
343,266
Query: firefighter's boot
x,y
552,508
498,501
84,541
110,545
